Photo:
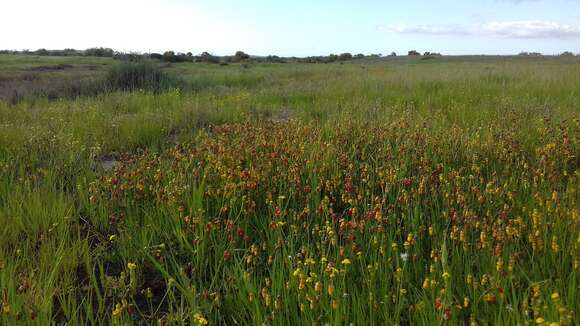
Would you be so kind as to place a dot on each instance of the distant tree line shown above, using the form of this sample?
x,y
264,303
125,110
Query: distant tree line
x,y
425,54
238,57
92,52
530,54
334,58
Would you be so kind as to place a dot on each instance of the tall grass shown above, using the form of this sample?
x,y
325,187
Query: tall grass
x,y
66,83
432,192
141,75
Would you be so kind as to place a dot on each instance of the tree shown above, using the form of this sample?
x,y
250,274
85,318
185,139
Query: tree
x,y
208,58
413,52
42,52
345,56
274,59
99,52
169,56
393,54
156,56
241,56
331,58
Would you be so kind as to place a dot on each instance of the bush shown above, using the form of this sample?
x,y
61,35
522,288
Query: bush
x,y
274,59
99,52
130,56
207,58
345,56
42,52
156,56
241,56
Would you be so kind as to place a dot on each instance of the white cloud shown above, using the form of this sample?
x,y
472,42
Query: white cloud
x,y
531,29
506,29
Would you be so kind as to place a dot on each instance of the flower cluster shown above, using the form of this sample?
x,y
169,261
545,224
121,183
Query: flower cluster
x,y
374,219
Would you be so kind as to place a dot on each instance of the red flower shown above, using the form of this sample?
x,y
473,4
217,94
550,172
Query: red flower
x,y
438,303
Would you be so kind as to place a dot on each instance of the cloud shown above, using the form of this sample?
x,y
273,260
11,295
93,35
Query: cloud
x,y
506,29
531,29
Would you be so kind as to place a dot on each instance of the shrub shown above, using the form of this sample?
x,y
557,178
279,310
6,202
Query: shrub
x,y
241,56
156,56
99,52
130,56
169,56
345,56
274,59
42,52
207,57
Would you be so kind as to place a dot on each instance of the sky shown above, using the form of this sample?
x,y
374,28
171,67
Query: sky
x,y
294,28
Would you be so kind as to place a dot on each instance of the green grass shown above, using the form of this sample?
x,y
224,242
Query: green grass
x,y
228,193
22,62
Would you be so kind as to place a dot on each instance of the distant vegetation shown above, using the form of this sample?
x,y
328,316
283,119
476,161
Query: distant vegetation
x,y
530,54
143,75
239,56
204,57
92,52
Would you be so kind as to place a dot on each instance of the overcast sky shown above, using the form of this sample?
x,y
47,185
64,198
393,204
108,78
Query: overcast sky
x,y
297,27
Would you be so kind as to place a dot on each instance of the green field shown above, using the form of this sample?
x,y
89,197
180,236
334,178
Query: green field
x,y
393,191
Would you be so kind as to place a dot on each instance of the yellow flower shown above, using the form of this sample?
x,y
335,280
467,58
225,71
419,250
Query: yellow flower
x,y
346,261
118,309
199,319
330,289
446,275
426,283
131,266
302,285
317,286
555,296
296,272
5,308
540,320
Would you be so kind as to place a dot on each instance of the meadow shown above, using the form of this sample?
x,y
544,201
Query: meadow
x,y
393,191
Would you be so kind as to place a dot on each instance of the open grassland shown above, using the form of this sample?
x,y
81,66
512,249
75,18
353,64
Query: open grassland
x,y
401,191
